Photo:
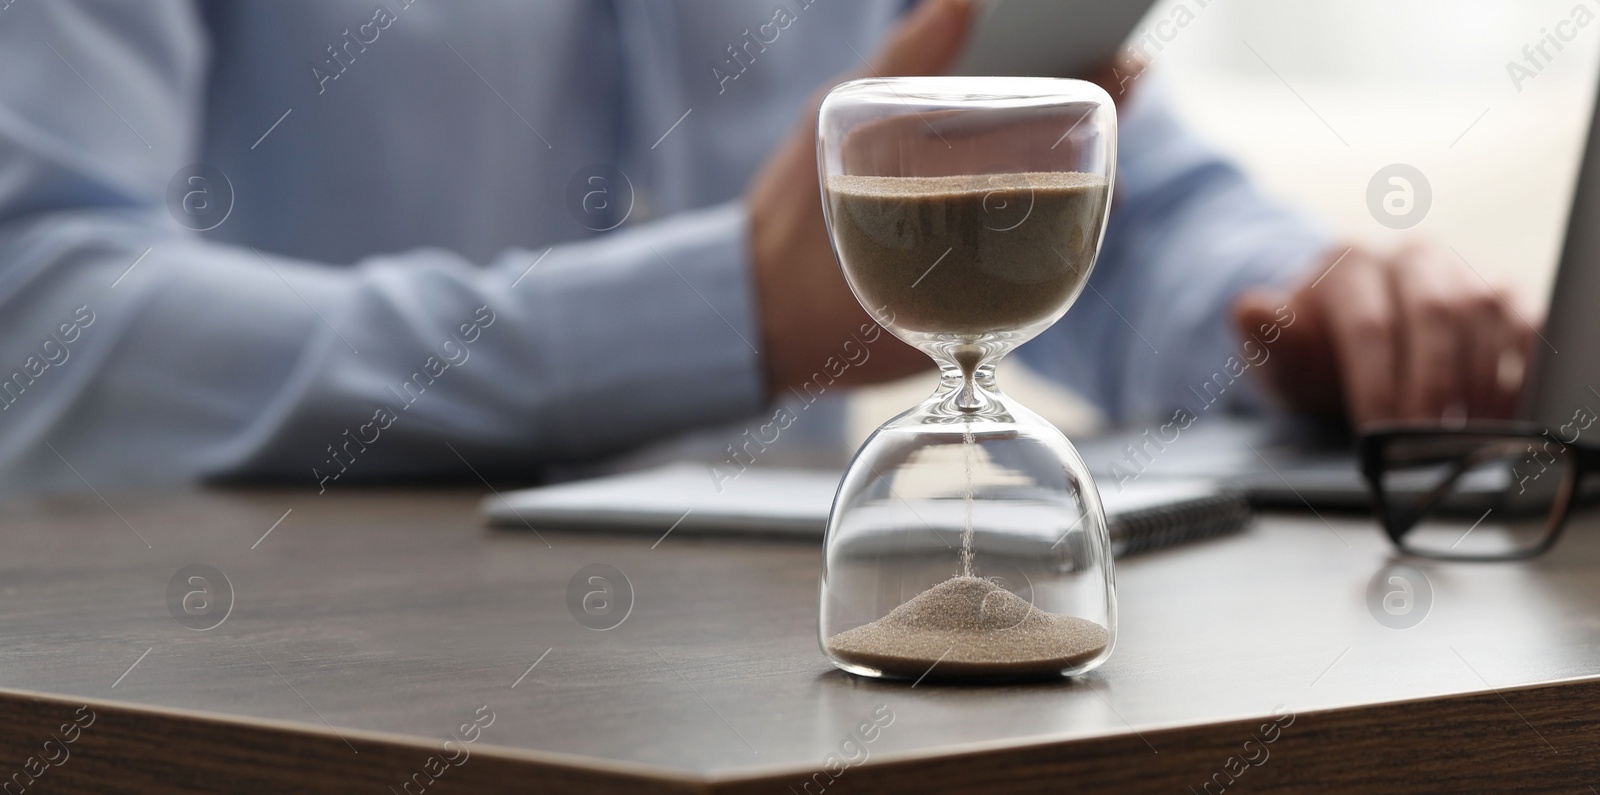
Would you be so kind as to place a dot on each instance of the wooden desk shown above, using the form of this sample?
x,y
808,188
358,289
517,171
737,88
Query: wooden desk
x,y
367,627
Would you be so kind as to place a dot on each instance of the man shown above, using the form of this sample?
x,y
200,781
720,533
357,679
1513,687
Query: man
x,y
507,234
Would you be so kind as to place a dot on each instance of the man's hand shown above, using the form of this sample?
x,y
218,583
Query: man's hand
x,y
1416,336
805,308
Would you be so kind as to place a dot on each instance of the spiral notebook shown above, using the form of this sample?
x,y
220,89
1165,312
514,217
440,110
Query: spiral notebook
x,y
684,499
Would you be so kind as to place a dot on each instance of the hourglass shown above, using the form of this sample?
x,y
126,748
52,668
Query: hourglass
x,y
967,540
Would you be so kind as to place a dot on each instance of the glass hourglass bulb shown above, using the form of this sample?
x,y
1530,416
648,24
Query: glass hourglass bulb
x,y
967,539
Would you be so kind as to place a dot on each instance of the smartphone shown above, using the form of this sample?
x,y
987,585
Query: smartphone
x,y
1048,38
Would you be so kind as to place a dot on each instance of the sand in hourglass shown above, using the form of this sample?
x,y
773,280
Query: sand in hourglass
x,y
970,625
968,255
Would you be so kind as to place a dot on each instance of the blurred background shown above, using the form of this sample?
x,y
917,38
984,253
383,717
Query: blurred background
x,y
1420,82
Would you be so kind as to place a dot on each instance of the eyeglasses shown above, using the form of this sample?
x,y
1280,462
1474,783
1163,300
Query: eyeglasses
x,y
1484,492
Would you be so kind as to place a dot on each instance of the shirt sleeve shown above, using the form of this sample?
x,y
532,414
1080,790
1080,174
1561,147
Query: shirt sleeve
x,y
1187,233
134,349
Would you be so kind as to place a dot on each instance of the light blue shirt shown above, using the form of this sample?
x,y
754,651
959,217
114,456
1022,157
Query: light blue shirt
x,y
504,233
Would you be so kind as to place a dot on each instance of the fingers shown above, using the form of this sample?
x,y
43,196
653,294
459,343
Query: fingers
x,y
1439,311
927,41
1254,308
1520,327
1417,336
1356,299
1489,341
1493,337
1502,342
1285,340
1515,362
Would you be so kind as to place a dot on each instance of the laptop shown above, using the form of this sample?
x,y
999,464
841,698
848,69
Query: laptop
x,y
1296,463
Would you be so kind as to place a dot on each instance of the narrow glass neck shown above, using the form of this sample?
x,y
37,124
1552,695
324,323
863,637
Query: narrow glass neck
x,y
967,389
961,393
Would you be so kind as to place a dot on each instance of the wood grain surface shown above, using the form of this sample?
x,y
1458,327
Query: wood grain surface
x,y
367,628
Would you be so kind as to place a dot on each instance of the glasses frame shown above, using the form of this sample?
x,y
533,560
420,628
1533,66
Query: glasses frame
x,y
1371,446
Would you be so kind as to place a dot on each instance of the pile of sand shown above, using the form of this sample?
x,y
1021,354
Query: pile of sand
x,y
970,626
